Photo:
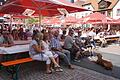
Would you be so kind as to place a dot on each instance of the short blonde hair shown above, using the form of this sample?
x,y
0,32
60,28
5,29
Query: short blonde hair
x,y
38,37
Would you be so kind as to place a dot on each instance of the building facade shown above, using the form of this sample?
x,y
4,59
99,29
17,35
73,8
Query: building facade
x,y
116,11
109,8
71,1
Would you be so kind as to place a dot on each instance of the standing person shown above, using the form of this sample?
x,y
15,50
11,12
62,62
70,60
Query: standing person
x,y
91,36
57,49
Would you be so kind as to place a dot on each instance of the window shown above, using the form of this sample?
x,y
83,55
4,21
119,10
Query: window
x,y
88,7
118,12
86,14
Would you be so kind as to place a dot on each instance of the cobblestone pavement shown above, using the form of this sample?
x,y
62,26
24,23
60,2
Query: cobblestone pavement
x,y
111,49
111,53
32,71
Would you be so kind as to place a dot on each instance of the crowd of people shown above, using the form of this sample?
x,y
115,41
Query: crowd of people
x,y
51,46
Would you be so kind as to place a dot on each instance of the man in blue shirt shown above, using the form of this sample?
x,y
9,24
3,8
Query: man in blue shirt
x,y
57,48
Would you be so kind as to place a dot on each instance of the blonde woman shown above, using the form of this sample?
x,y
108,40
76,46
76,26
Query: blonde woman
x,y
36,51
49,53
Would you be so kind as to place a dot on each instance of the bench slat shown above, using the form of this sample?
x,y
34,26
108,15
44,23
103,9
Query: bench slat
x,y
19,61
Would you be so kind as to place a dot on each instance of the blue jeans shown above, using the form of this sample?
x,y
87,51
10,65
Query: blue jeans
x,y
65,54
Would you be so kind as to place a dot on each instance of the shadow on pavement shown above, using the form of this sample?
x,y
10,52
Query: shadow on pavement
x,y
115,72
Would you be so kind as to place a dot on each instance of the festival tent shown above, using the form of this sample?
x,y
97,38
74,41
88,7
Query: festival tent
x,y
42,7
95,18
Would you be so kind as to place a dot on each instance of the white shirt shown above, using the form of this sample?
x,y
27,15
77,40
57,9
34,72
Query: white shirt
x,y
91,33
46,46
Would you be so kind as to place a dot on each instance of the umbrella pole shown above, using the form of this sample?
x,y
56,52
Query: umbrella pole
x,y
11,19
40,17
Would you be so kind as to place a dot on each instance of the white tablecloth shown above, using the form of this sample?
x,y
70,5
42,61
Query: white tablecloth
x,y
22,42
14,49
108,36
112,36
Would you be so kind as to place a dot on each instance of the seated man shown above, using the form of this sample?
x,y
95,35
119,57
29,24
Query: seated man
x,y
83,48
70,45
57,49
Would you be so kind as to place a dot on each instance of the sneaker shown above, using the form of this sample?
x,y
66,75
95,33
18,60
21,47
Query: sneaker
x,y
70,67
76,60
59,70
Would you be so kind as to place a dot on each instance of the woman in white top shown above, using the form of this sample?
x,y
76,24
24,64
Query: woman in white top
x,y
37,51
49,53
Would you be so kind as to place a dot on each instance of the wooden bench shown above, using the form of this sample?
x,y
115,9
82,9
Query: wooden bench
x,y
13,66
15,62
112,39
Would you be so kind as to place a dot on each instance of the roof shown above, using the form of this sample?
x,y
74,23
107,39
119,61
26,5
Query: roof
x,y
114,2
79,3
94,3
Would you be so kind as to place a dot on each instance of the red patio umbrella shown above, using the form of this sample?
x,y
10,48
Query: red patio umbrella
x,y
50,21
1,15
94,18
117,21
43,7
70,19
108,22
20,16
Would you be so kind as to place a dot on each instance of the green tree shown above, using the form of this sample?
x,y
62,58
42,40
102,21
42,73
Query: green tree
x,y
32,20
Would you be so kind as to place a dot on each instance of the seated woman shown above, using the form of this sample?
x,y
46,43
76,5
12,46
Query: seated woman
x,y
37,52
1,44
1,39
15,34
47,51
8,39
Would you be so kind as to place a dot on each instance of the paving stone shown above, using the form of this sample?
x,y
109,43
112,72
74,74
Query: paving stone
x,y
33,71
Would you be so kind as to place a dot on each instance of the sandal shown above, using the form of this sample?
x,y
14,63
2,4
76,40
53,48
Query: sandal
x,y
58,69
52,69
49,72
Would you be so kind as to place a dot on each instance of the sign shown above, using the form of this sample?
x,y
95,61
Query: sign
x,y
28,12
7,16
63,11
